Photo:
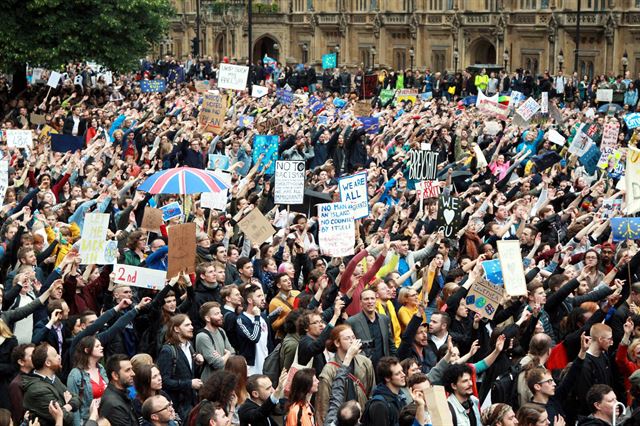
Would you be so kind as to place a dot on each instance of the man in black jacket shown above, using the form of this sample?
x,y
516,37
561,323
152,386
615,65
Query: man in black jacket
x,y
74,124
386,400
115,404
263,401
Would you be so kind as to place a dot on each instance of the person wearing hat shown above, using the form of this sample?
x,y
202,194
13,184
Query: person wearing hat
x,y
499,415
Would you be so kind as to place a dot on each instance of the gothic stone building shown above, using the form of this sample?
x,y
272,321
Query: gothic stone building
x,y
439,34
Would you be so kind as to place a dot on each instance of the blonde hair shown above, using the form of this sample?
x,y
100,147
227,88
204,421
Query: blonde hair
x,y
631,350
141,359
5,331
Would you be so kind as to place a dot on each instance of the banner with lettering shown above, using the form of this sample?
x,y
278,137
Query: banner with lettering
x,y
353,191
233,76
337,233
449,218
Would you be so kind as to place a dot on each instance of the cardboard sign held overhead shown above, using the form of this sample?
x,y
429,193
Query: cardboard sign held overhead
x,y
484,298
515,283
212,112
256,227
438,406
152,219
362,109
182,249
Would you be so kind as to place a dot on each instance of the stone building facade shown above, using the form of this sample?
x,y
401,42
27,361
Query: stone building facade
x,y
439,34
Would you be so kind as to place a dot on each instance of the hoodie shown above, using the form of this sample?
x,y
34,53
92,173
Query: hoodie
x,y
387,412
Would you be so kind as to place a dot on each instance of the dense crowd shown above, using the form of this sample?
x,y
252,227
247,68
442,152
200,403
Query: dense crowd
x,y
281,333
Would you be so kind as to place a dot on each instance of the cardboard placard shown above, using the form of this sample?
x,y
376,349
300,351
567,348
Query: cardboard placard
x,y
212,112
362,109
266,125
38,119
152,219
182,249
139,277
515,283
438,406
256,227
484,298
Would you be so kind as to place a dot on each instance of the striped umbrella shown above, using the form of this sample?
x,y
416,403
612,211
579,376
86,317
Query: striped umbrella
x,y
182,180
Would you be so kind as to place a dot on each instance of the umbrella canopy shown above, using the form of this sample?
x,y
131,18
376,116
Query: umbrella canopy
x,y
182,180
613,108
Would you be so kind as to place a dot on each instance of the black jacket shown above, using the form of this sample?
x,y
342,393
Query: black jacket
x,y
253,414
384,413
116,406
203,294
67,127
177,375
428,358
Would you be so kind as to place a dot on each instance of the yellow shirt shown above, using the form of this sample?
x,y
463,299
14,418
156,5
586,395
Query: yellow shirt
x,y
395,324
277,302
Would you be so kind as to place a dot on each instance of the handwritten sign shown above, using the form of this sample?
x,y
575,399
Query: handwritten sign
x,y
604,95
182,249
362,109
610,135
19,138
94,235
528,109
336,229
266,125
214,200
289,183
427,189
423,165
212,112
449,215
484,298
153,86
233,76
512,270
256,227
171,210
152,219
353,191
54,79
139,277
218,162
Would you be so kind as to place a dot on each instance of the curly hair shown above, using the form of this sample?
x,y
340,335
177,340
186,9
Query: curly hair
x,y
219,387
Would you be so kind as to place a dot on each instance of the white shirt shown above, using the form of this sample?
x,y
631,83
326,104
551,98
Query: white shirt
x,y
23,329
439,342
76,125
187,352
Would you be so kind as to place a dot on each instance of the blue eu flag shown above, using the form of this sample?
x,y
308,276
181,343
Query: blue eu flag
x,y
625,228
493,271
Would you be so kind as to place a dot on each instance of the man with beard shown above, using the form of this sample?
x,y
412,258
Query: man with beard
x,y
115,403
254,342
212,341
43,388
179,364
462,404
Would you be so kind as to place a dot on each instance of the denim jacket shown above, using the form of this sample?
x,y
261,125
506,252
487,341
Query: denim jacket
x,y
78,381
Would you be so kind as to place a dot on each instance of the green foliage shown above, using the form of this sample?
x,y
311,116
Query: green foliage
x,y
114,33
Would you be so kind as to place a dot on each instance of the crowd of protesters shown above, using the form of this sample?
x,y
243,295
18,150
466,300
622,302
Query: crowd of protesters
x,y
367,337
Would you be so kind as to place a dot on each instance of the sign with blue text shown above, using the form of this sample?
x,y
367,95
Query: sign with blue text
x,y
353,191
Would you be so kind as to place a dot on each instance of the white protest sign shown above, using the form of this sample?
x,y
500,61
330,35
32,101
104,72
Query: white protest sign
x,y
4,180
610,135
93,241
19,138
353,191
581,143
511,265
258,91
337,233
423,165
604,95
36,74
139,277
481,160
556,137
481,96
289,181
214,200
78,80
528,109
54,79
632,177
544,103
233,76
427,189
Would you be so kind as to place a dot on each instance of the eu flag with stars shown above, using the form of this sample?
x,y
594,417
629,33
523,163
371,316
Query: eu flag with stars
x,y
625,228
493,271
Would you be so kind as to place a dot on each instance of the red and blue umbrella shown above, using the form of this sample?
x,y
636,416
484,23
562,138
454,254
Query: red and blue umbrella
x,y
182,180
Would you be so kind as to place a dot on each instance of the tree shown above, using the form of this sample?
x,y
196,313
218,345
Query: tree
x,y
50,33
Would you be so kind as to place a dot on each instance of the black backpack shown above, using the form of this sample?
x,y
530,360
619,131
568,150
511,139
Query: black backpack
x,y
366,416
272,367
504,387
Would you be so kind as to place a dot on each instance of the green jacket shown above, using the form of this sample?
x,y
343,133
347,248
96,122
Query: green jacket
x,y
39,391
